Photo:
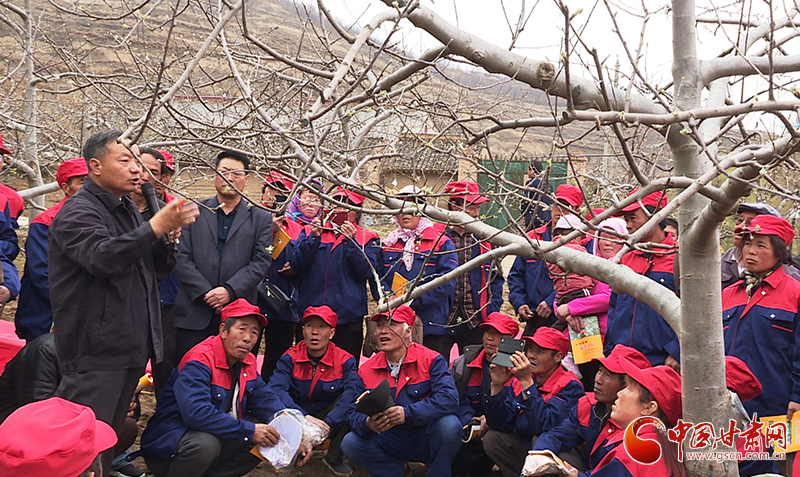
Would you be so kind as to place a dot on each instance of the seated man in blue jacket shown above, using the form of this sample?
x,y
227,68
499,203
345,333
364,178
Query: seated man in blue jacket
x,y
586,419
204,420
320,379
422,425
549,392
473,381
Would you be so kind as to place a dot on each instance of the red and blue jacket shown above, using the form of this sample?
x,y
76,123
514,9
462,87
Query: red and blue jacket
x,y
15,204
616,462
529,281
302,386
545,406
287,283
34,316
195,397
582,426
335,271
424,387
478,390
635,324
436,253
486,281
9,248
763,332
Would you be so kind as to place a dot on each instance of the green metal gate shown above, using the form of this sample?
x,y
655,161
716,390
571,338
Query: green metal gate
x,y
514,171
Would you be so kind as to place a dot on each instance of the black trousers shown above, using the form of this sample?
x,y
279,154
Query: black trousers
x,y
350,338
200,453
188,339
108,393
279,336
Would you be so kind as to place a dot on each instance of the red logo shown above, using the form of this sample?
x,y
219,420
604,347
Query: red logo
x,y
643,451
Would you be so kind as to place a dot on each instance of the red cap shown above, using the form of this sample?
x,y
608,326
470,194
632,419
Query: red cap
x,y
323,312
769,225
504,324
276,180
71,168
663,383
54,437
5,151
465,190
350,195
570,194
550,338
657,199
740,379
240,308
401,314
596,212
168,160
620,352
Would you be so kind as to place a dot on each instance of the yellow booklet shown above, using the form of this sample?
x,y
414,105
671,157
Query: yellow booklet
x,y
792,431
399,284
281,241
588,344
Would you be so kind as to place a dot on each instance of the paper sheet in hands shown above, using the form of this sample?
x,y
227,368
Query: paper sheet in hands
x,y
281,454
543,463
375,401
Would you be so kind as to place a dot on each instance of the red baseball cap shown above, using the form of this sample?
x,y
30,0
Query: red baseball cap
x,y
276,180
323,312
54,438
71,168
569,194
504,324
240,308
740,379
620,352
550,338
401,314
5,151
168,160
663,383
350,195
596,212
769,225
657,199
465,190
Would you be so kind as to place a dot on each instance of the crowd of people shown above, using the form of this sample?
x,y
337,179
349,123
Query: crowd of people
x,y
115,277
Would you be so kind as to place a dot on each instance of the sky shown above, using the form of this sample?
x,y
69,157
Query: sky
x,y
542,36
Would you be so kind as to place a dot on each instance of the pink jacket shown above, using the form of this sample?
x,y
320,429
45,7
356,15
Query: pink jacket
x,y
595,304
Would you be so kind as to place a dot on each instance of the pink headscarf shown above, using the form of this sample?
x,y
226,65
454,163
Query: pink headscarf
x,y
409,237
615,224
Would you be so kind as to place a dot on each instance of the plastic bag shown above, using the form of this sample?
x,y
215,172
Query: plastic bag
x,y
295,430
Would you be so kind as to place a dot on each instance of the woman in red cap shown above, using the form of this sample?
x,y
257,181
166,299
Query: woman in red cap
x,y
760,318
651,392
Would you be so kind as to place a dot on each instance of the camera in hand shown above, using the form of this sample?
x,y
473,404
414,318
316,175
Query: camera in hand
x,y
507,347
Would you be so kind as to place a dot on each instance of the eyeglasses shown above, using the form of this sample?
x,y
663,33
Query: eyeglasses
x,y
237,173
310,202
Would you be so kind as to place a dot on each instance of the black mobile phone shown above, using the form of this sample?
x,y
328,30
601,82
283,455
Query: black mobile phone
x,y
508,346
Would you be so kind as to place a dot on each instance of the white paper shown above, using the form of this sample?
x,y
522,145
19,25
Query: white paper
x,y
281,454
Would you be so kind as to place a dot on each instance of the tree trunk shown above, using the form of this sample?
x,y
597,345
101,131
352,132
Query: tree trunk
x,y
30,154
705,396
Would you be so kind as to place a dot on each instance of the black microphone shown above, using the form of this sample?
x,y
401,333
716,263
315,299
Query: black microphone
x,y
149,194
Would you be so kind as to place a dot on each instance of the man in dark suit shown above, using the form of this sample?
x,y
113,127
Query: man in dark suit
x,y
221,257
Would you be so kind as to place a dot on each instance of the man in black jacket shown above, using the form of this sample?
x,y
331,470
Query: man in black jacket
x,y
105,262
